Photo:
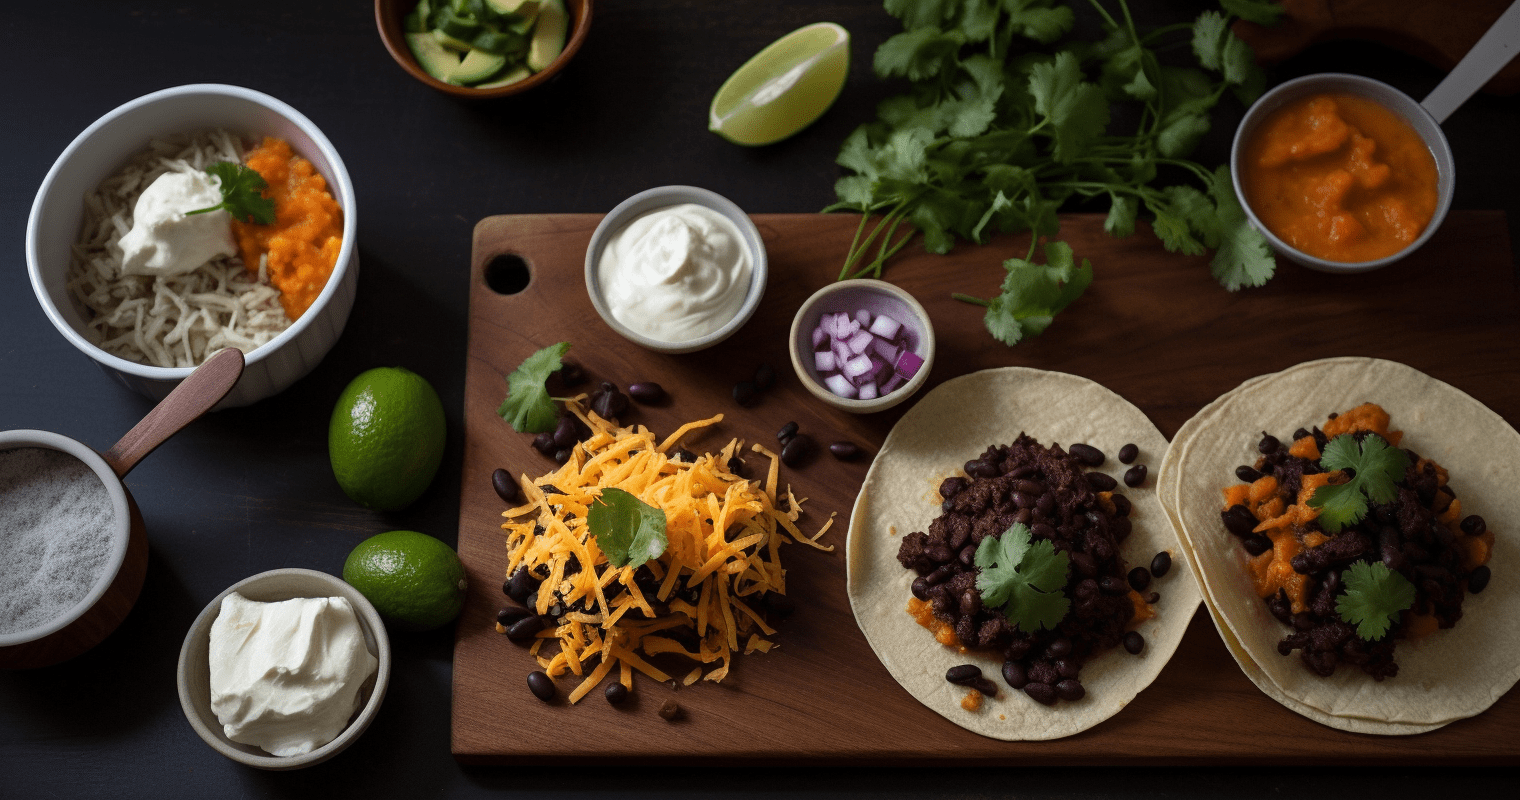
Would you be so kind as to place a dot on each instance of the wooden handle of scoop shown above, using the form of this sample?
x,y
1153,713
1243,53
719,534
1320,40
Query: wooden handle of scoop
x,y
194,396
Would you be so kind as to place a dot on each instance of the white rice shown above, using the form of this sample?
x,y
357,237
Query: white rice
x,y
177,321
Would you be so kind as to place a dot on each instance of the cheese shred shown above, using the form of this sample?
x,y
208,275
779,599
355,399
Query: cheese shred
x,y
700,600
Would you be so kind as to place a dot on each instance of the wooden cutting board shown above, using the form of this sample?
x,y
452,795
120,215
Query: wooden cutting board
x,y
1154,327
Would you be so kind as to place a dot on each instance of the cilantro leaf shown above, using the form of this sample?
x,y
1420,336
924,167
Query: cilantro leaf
x,y
629,531
918,54
242,193
1209,32
1121,216
1033,294
1375,595
1024,579
528,405
1076,110
1037,20
1377,469
1243,257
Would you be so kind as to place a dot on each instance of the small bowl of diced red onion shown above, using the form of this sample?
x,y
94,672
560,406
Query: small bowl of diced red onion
x,y
862,345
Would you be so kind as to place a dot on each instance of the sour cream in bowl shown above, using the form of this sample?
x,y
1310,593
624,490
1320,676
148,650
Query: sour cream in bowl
x,y
676,269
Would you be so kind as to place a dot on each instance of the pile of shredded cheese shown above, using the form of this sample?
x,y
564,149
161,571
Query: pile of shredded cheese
x,y
725,535
173,321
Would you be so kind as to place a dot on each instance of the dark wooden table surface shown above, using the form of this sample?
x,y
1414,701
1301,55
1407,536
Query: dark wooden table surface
x,y
249,490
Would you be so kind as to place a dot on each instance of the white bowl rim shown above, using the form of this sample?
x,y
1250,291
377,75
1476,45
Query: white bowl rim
x,y
647,201
329,153
372,620
883,402
1408,108
28,438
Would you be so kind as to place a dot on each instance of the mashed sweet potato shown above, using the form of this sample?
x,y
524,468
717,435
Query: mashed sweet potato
x,y
307,234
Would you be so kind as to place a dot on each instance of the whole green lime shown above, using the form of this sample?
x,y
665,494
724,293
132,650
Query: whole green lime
x,y
414,580
386,438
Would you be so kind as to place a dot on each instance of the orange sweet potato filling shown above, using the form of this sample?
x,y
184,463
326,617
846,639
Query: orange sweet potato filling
x,y
944,632
1143,610
307,234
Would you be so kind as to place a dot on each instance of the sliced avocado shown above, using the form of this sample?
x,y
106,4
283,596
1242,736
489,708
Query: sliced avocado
x,y
548,34
512,76
477,65
417,20
524,7
457,45
432,56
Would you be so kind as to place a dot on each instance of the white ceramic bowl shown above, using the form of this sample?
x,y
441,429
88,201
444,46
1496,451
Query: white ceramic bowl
x,y
850,296
1387,96
660,197
194,673
108,144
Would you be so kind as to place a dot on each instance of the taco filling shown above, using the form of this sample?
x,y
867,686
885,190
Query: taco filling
x,y
1024,560
1355,543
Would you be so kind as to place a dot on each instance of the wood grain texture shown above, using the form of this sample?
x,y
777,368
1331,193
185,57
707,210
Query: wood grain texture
x,y
1437,33
1154,327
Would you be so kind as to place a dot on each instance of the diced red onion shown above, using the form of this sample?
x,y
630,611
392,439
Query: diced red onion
x,y
840,385
863,316
818,336
885,326
862,356
857,366
860,341
884,348
868,392
908,364
824,361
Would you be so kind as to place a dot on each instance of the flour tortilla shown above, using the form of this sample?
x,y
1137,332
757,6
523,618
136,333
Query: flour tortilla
x,y
1450,675
950,426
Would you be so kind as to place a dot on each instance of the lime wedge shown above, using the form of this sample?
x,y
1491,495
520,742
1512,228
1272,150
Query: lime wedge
x,y
784,87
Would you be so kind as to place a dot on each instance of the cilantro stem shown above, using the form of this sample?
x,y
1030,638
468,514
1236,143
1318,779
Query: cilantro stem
x,y
854,243
966,298
1112,23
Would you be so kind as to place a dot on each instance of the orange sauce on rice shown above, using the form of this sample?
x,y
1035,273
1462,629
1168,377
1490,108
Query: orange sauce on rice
x,y
307,234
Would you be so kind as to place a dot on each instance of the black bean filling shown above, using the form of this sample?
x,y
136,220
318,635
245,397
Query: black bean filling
x,y
1047,490
1405,535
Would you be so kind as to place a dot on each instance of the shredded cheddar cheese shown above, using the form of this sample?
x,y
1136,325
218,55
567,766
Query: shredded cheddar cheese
x,y
723,555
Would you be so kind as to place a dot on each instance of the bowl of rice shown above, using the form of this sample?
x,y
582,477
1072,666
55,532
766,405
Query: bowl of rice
x,y
149,329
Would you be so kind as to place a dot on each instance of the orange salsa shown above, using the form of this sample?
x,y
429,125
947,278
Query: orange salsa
x,y
303,243
1340,177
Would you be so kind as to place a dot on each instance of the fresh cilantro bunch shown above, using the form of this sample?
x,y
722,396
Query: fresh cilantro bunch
x,y
1023,579
629,531
528,406
1006,122
1375,469
1375,596
242,193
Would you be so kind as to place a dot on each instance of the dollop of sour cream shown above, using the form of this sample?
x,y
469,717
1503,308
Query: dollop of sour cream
x,y
286,676
676,273
163,239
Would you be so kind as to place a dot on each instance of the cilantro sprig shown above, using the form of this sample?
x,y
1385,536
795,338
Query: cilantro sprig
x,y
629,531
1032,293
995,135
1375,469
242,193
1023,579
1375,596
528,406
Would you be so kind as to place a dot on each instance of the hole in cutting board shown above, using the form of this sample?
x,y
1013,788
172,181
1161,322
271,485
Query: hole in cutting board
x,y
508,273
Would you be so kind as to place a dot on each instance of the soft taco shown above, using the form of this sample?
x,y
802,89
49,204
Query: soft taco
x,y
901,497
1444,673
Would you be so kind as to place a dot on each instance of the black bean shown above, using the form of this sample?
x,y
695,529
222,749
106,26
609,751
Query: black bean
x,y
787,432
765,377
1070,690
609,402
525,629
1015,674
735,465
939,554
684,456
1134,476
1046,504
1128,454
571,373
1025,500
1256,544
1042,693
967,556
561,456
1087,454
1122,505
1108,584
1101,482
1059,648
845,451
520,585
506,488
1161,564
540,685
1268,444
971,602
544,443
951,487
1134,642
1139,578
1152,598
670,711
1247,474
565,432
920,588
1068,667
1474,525
978,468
1040,530
1301,433
1029,487
510,614
1478,580
986,687
615,693
646,392
798,451
963,674
1238,520
779,604
745,393
940,575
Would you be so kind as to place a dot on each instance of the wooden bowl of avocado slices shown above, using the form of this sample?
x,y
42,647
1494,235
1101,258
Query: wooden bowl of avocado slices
x,y
479,49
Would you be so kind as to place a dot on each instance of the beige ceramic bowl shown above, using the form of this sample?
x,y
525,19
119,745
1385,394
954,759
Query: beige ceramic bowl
x,y
878,297
194,676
